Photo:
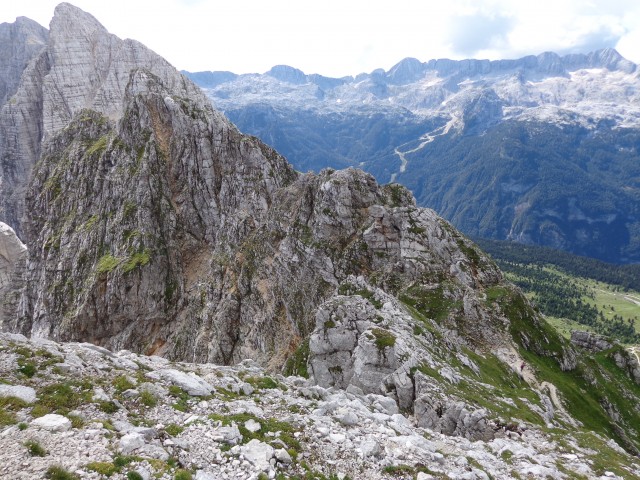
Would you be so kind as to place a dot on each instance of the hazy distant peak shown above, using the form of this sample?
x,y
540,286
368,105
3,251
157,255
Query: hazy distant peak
x,y
406,71
285,73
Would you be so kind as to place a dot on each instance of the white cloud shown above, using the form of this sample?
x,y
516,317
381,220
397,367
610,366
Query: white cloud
x,y
339,38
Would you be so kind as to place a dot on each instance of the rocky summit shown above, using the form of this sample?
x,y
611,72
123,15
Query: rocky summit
x,y
332,328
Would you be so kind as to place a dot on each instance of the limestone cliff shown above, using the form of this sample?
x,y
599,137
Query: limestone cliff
x,y
82,66
19,43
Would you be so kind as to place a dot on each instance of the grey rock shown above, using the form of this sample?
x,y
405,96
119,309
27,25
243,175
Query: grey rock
x,y
590,341
252,425
153,451
20,42
258,453
370,447
202,475
346,417
131,442
130,393
230,435
191,383
283,456
26,394
52,422
99,395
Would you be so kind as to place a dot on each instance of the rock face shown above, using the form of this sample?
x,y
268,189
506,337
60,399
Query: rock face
x,y
13,258
158,227
19,43
590,341
82,66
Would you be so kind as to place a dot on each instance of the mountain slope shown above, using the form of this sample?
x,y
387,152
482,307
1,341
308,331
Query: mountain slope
x,y
540,150
154,225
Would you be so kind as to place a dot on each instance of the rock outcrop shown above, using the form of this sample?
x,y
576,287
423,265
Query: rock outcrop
x,y
590,341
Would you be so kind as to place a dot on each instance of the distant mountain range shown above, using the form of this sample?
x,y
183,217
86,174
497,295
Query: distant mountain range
x,y
542,150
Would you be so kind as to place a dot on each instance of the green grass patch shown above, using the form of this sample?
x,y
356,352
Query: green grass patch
x,y
35,449
181,404
433,303
183,475
138,259
107,263
56,472
286,430
98,146
173,429
61,398
148,399
122,383
384,339
264,383
103,468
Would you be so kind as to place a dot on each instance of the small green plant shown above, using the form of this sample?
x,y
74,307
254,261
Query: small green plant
x,y
384,339
103,468
56,472
173,429
108,406
134,476
122,383
26,368
183,475
297,362
22,426
148,399
35,449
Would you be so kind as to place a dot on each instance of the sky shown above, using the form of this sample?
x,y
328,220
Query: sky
x,y
347,37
